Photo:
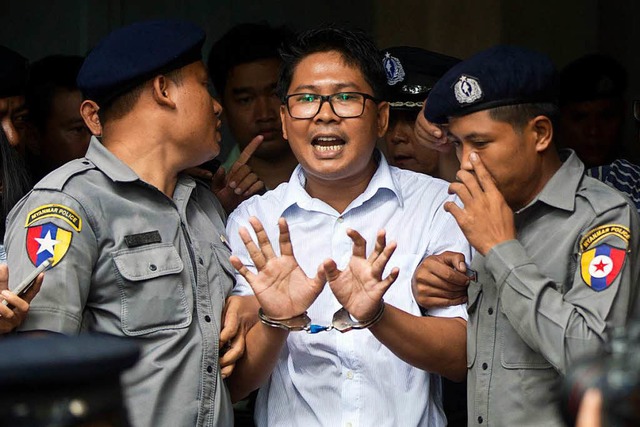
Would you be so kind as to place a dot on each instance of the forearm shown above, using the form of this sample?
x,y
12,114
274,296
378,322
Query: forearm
x,y
263,346
435,344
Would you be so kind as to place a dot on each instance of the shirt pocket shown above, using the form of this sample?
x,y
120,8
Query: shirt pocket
x,y
474,293
151,289
515,353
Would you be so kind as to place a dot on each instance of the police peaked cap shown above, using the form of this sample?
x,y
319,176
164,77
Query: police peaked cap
x,y
498,76
136,53
411,73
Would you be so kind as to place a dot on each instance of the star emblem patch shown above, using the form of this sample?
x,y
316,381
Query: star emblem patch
x,y
47,241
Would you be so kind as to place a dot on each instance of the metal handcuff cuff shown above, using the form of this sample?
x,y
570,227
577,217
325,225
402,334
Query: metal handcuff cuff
x,y
342,321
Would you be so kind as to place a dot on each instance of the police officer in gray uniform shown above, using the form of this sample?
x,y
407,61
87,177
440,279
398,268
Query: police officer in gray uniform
x,y
557,266
138,248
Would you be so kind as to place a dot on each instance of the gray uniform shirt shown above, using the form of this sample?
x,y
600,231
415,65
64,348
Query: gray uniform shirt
x,y
535,307
131,262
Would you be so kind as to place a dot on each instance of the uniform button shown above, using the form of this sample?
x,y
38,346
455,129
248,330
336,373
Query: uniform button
x,y
480,420
200,260
485,366
152,267
490,311
207,318
85,163
350,375
209,369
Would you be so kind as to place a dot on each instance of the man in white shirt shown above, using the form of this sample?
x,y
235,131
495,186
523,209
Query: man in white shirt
x,y
337,201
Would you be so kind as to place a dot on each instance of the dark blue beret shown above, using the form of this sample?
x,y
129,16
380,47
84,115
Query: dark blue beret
x,y
411,73
13,73
134,54
499,76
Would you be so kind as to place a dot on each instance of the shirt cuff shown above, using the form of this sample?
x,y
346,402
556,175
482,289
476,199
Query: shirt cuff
x,y
453,311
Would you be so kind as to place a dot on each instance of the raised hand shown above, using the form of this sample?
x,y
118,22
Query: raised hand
x,y
280,285
360,287
440,280
431,135
485,219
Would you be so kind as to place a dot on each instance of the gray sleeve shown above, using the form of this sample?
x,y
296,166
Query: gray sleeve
x,y
44,221
565,322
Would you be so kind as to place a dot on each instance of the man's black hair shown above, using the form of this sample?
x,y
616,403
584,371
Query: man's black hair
x,y
47,76
519,115
14,177
242,44
356,47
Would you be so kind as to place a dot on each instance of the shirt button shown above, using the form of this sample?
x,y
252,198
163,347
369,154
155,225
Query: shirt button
x,y
485,366
207,318
480,420
348,425
152,267
490,311
209,369
200,260
350,375
340,219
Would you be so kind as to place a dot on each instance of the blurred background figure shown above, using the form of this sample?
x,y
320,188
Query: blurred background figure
x,y
15,180
14,113
592,108
411,72
54,109
244,65
59,381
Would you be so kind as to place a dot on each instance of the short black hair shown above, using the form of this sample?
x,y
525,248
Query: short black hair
x,y
244,43
518,115
356,47
122,104
47,76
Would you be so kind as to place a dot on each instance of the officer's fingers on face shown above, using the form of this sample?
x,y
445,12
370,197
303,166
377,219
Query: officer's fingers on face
x,y
484,177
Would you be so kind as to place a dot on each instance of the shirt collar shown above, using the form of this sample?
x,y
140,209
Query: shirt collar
x,y
117,170
108,163
560,191
295,193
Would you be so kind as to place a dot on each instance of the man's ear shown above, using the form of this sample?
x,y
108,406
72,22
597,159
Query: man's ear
x,y
543,132
89,112
163,90
383,118
283,115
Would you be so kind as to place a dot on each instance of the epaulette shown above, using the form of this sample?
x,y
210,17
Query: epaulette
x,y
600,196
57,179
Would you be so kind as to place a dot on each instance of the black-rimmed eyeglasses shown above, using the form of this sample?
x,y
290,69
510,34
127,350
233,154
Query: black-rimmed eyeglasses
x,y
346,105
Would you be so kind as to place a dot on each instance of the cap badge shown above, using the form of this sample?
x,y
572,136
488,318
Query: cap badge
x,y
467,90
393,68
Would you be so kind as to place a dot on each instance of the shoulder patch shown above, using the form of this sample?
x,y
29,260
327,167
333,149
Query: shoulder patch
x,y
47,241
600,266
595,235
55,211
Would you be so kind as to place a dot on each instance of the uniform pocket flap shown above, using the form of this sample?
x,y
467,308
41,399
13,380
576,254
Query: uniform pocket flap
x,y
148,262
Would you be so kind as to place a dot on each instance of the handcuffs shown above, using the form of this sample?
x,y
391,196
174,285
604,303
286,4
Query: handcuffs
x,y
342,321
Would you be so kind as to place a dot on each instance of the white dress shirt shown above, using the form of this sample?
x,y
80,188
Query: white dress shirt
x,y
351,379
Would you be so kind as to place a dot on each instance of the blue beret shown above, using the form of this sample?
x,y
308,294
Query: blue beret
x,y
134,54
411,73
499,76
13,73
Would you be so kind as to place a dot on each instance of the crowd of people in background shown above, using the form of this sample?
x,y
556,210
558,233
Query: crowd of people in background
x,y
396,237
